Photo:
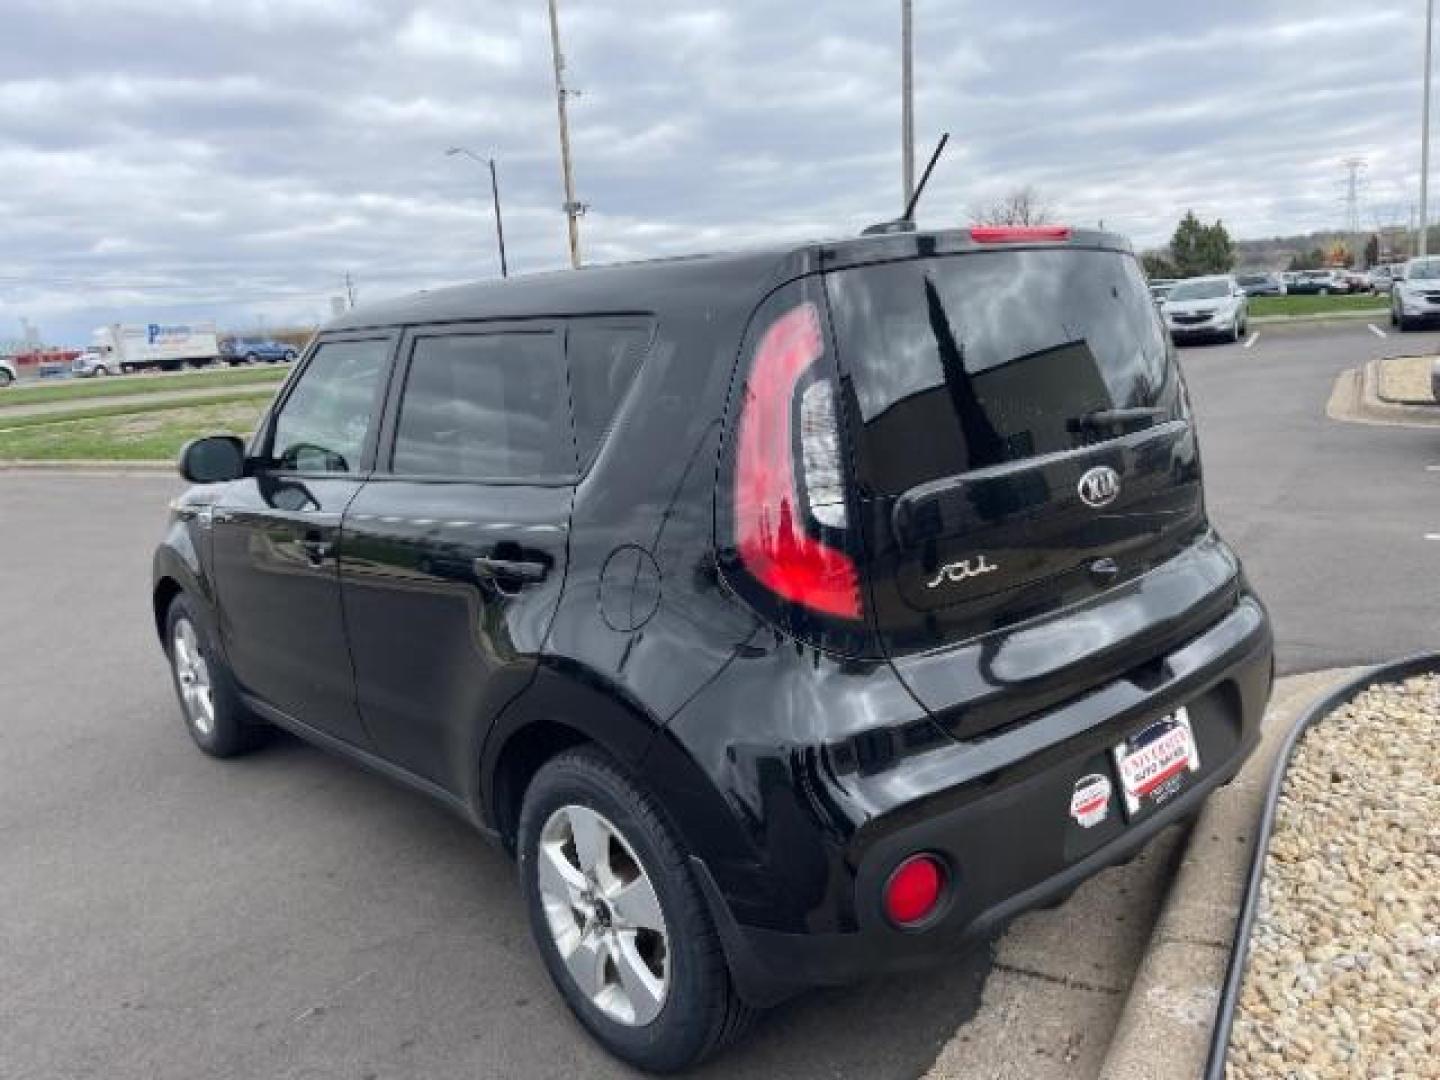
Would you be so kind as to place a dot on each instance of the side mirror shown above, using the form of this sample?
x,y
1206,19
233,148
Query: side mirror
x,y
213,459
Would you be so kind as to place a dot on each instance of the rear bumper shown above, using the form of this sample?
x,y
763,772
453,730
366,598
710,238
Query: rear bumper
x,y
1006,832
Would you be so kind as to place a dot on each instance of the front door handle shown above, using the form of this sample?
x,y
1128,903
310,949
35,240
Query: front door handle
x,y
317,550
509,575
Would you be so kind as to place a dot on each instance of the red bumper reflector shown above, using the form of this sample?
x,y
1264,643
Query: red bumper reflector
x,y
1019,234
913,892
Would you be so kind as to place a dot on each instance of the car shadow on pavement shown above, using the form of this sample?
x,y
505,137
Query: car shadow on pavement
x,y
501,1016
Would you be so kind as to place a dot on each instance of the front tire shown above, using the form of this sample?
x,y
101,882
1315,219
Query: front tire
x,y
619,919
5,377
214,715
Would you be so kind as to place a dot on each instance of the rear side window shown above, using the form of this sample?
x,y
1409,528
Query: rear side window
x,y
485,407
957,363
604,356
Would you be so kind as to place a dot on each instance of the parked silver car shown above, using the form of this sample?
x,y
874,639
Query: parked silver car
x,y
1416,298
1207,307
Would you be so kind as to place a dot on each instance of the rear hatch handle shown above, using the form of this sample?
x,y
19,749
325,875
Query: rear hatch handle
x,y
1108,418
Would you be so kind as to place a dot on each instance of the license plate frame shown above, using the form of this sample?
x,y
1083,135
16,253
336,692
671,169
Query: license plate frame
x,y
1155,763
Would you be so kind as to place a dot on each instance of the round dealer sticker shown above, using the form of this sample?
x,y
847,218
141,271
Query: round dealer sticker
x,y
1090,803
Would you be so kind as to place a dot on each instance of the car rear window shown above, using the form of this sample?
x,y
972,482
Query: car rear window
x,y
962,362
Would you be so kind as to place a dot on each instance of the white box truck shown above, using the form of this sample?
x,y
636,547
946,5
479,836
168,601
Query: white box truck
x,y
168,346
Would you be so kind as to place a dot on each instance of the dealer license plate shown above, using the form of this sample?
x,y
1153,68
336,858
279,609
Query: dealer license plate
x,y
1155,764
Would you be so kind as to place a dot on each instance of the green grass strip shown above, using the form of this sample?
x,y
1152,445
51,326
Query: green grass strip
x,y
155,435
1316,305
131,408
80,389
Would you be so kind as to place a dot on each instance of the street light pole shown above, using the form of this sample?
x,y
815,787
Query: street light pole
x,y
499,225
907,102
1422,247
494,194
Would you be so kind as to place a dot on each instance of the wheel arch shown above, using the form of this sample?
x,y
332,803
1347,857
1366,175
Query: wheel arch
x,y
565,707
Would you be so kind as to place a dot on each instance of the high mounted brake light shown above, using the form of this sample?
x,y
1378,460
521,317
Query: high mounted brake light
x,y
772,532
1019,234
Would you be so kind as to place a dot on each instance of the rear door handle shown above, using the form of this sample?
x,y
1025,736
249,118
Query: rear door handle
x,y
510,574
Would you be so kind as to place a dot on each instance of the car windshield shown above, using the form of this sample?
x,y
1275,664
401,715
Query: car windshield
x,y
1424,271
1206,289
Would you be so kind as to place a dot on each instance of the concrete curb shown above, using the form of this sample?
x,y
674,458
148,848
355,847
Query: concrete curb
x,y
1356,399
1165,1027
146,467
1329,316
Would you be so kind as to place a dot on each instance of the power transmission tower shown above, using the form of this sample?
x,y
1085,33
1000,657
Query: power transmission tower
x,y
573,209
1354,167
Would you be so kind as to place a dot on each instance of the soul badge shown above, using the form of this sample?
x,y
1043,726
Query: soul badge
x,y
1090,802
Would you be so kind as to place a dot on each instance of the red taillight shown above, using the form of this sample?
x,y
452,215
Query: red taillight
x,y
1019,234
771,533
913,892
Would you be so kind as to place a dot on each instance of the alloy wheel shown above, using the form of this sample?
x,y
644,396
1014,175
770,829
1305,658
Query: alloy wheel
x,y
192,674
603,915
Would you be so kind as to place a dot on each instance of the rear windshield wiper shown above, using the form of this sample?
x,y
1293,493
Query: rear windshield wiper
x,y
1108,418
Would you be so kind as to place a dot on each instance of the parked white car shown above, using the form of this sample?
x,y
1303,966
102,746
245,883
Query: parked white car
x,y
1207,307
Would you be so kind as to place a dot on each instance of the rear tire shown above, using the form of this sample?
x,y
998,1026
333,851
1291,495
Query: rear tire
x,y
681,1006
214,715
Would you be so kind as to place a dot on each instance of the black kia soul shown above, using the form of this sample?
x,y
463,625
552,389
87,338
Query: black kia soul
x,y
792,616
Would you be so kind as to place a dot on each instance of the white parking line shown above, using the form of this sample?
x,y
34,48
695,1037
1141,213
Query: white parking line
x,y
1432,468
1253,338
1432,536
1377,331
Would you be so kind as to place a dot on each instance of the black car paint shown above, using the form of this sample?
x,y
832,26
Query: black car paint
x,y
795,776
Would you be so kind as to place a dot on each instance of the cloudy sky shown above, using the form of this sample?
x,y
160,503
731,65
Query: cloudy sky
x,y
236,158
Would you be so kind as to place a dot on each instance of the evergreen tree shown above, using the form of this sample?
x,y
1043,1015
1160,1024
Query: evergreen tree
x,y
1199,249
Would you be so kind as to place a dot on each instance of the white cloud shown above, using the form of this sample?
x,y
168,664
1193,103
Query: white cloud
x,y
236,158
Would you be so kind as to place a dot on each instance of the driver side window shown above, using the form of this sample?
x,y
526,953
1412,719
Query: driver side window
x,y
323,423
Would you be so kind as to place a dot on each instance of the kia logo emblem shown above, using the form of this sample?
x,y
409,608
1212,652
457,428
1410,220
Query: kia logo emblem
x,y
1099,486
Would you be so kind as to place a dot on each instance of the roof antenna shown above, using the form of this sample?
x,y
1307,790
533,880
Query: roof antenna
x,y
905,223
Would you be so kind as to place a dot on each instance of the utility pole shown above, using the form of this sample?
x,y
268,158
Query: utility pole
x,y
1423,244
573,209
350,289
907,101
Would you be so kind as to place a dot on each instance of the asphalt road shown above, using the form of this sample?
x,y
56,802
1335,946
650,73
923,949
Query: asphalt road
x,y
288,915
1330,518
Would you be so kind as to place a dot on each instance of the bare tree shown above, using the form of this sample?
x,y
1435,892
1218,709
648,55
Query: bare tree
x,y
1023,206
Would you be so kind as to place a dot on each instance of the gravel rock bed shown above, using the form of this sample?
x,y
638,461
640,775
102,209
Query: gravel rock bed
x,y
1343,975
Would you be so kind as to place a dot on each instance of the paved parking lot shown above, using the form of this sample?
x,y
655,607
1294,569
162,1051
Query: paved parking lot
x,y
289,915
1330,518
